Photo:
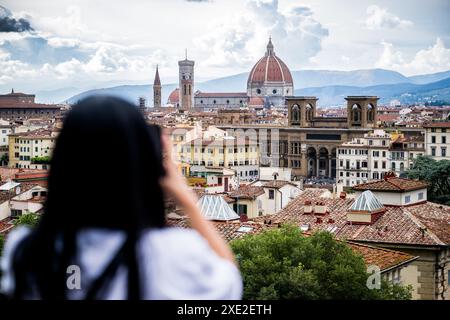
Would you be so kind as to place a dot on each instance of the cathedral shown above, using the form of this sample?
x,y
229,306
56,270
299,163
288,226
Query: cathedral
x,y
269,83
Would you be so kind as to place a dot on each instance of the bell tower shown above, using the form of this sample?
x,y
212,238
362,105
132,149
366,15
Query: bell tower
x,y
186,76
157,90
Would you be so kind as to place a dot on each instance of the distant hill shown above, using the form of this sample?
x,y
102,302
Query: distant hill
x,y
428,78
406,93
330,85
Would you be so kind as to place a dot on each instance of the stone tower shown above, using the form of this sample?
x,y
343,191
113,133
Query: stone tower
x,y
157,90
186,70
362,111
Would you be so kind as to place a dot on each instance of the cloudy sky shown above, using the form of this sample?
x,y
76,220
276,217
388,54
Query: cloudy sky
x,y
51,44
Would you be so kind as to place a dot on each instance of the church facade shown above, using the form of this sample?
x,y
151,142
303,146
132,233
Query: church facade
x,y
269,82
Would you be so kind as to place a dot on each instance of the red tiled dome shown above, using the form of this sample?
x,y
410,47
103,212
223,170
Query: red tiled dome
x,y
256,101
174,97
269,68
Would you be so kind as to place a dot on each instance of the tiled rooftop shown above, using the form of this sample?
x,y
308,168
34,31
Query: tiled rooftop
x,y
421,224
247,192
392,184
276,184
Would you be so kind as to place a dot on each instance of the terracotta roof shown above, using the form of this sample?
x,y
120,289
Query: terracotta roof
x,y
393,184
437,124
420,224
230,230
383,258
17,105
5,226
256,101
276,184
388,117
38,133
174,96
247,192
269,68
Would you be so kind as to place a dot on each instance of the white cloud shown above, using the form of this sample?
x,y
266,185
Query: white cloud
x,y
296,34
379,18
435,58
13,69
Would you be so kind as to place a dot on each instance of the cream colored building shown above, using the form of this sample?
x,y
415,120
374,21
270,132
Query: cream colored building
x,y
25,146
370,157
437,139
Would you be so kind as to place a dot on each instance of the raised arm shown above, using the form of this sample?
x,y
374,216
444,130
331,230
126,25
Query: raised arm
x,y
175,185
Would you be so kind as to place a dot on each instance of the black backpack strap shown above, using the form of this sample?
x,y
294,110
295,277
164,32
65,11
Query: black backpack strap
x,y
99,283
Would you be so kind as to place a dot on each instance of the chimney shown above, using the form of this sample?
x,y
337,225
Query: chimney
x,y
308,207
320,208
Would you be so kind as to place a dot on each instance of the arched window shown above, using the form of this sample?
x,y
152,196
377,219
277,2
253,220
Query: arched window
x,y
189,90
258,91
402,167
184,90
228,101
309,113
356,113
295,113
370,113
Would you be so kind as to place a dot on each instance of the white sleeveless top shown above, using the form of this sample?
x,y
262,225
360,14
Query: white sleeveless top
x,y
174,263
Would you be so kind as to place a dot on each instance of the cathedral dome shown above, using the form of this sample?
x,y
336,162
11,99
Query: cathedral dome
x,y
174,97
269,69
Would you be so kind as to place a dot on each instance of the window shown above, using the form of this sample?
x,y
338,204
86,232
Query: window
x,y
383,164
433,139
241,210
271,194
258,91
274,91
420,196
375,164
16,213
407,199
433,151
443,151
444,139
433,129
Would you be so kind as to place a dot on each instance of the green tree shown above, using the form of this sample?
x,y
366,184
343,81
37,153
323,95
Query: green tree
x,y
41,160
27,219
283,264
436,173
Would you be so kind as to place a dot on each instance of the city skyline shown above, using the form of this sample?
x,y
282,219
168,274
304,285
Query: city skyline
x,y
65,44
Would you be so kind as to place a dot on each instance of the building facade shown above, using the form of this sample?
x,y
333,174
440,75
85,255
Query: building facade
x,y
25,147
222,152
437,139
377,153
21,106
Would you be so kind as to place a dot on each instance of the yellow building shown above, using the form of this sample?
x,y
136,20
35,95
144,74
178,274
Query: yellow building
x,y
26,146
241,156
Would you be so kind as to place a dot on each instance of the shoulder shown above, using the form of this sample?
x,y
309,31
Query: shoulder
x,y
12,241
187,268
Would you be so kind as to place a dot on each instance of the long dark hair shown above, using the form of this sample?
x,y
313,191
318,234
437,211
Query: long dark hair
x,y
105,172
